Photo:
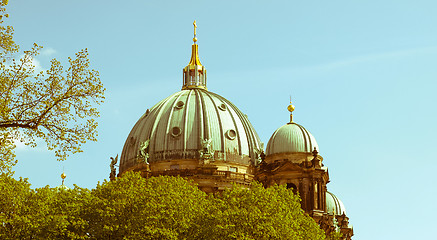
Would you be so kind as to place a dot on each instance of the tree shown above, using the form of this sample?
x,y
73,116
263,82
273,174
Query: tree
x,y
258,213
42,213
132,207
57,105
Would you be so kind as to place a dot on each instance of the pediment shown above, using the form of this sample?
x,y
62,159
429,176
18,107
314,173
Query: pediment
x,y
287,166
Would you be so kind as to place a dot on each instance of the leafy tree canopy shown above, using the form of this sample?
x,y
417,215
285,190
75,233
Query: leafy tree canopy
x,y
132,207
57,105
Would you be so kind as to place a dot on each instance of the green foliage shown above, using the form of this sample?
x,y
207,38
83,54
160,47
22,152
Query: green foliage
x,y
7,154
56,105
133,207
7,44
44,213
258,213
334,236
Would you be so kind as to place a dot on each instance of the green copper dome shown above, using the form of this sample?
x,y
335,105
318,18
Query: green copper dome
x,y
179,126
291,138
334,205
192,124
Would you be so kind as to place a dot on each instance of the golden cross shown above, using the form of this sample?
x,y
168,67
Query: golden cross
x,y
195,26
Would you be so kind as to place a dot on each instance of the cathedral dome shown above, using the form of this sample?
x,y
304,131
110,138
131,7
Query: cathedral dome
x,y
334,205
192,125
291,138
178,126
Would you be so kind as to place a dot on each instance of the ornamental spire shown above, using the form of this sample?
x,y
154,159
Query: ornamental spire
x,y
62,186
63,176
194,72
291,109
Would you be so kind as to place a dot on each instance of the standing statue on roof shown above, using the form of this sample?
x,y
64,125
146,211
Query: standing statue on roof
x,y
144,151
112,166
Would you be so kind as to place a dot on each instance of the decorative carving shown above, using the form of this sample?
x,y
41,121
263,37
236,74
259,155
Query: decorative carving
x,y
143,154
259,154
315,162
112,166
206,153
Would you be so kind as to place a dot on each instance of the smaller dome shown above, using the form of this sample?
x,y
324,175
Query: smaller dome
x,y
291,138
334,205
61,188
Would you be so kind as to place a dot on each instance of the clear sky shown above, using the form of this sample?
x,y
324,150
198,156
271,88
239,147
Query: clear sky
x,y
362,75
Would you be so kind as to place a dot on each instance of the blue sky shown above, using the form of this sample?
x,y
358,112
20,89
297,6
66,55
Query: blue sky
x,y
362,75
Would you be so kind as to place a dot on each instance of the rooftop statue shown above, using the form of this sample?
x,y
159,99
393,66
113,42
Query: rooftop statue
x,y
112,166
144,151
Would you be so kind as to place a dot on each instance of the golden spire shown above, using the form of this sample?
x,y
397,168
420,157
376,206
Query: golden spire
x,y
194,49
291,109
194,72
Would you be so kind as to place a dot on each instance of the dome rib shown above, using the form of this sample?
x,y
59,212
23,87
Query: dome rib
x,y
205,112
221,130
157,114
167,131
245,122
304,134
201,116
251,138
334,205
237,130
270,146
186,109
158,144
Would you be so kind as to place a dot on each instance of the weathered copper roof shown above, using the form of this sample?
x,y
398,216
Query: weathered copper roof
x,y
177,126
290,138
334,205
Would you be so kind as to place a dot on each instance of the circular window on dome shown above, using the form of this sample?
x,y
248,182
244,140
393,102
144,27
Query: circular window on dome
x,y
179,105
222,107
176,131
231,134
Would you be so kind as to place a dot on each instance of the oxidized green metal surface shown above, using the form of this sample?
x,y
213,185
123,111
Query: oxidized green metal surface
x,y
291,138
177,127
334,205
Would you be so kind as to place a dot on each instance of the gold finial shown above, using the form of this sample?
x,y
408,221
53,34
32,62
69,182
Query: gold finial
x,y
291,109
195,26
63,176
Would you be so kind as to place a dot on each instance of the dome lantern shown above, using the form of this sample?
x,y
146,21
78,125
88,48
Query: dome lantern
x,y
194,74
